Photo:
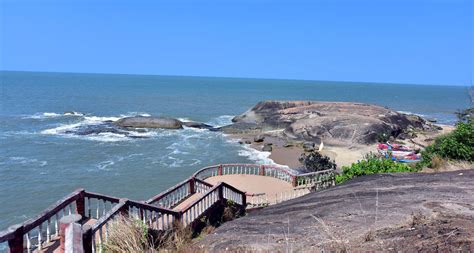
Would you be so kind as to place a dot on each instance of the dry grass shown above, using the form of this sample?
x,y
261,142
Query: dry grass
x,y
176,239
128,235
437,162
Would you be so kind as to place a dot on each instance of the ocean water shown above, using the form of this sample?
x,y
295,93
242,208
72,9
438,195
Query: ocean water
x,y
42,159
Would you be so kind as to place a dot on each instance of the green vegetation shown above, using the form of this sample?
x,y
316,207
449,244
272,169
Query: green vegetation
x,y
372,165
314,161
457,145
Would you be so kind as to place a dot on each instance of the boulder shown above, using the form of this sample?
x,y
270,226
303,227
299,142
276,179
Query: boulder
x,y
198,125
288,144
308,146
336,122
267,147
149,122
259,138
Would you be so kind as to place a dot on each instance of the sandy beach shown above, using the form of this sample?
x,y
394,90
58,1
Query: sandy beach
x,y
343,155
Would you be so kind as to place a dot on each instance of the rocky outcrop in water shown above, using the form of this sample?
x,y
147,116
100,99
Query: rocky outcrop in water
x,y
149,122
338,122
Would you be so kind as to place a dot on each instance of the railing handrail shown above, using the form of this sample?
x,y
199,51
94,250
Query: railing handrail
x,y
209,192
101,196
7,234
125,203
151,207
51,210
109,215
168,191
315,173
203,182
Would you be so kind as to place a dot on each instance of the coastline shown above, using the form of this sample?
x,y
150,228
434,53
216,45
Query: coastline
x,y
343,155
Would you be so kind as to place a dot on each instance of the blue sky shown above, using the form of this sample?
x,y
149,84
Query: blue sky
x,y
404,41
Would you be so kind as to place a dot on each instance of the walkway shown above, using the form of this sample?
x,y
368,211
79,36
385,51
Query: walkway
x,y
253,183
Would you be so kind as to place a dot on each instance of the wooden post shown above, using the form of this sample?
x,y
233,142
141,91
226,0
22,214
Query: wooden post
x,y
192,182
80,204
219,170
87,238
16,244
293,181
64,223
124,210
262,170
73,240
221,193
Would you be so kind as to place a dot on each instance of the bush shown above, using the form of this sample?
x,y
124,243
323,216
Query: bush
x,y
314,161
128,235
457,145
372,165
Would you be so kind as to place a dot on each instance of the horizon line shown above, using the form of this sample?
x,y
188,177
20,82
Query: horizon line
x,y
234,77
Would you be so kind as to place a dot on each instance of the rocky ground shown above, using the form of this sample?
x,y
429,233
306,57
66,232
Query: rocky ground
x,y
333,122
387,212
348,130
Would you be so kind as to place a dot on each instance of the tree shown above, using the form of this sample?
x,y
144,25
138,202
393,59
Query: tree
x,y
315,161
466,115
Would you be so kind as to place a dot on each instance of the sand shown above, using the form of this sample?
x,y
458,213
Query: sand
x,y
343,155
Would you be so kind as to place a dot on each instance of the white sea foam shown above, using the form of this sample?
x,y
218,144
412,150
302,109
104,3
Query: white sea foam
x,y
411,113
134,114
221,121
25,161
43,115
49,115
184,119
260,157
103,165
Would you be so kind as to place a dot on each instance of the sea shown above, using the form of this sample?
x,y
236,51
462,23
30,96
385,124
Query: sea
x,y
43,158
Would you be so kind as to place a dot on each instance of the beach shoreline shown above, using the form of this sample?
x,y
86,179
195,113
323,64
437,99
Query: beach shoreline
x,y
287,153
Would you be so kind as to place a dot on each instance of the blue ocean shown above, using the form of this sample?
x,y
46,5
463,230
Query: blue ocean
x,y
41,159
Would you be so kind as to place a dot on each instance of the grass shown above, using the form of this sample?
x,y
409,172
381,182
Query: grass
x,y
128,235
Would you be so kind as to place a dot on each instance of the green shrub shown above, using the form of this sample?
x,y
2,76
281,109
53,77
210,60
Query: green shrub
x,y
457,145
314,161
372,165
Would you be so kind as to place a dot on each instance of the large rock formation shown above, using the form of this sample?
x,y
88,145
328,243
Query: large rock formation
x,y
404,212
149,122
341,122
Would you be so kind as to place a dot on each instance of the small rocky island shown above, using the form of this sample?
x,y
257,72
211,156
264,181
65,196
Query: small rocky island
x,y
334,122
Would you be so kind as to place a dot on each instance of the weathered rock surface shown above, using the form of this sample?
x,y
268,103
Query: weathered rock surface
x,y
341,122
198,125
308,146
267,147
149,122
404,212
259,138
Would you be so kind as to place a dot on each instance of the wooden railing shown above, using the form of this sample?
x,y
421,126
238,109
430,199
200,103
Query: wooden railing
x,y
178,193
39,231
259,200
320,179
217,194
317,180
154,217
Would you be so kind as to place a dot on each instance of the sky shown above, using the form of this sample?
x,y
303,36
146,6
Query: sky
x,y
395,41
